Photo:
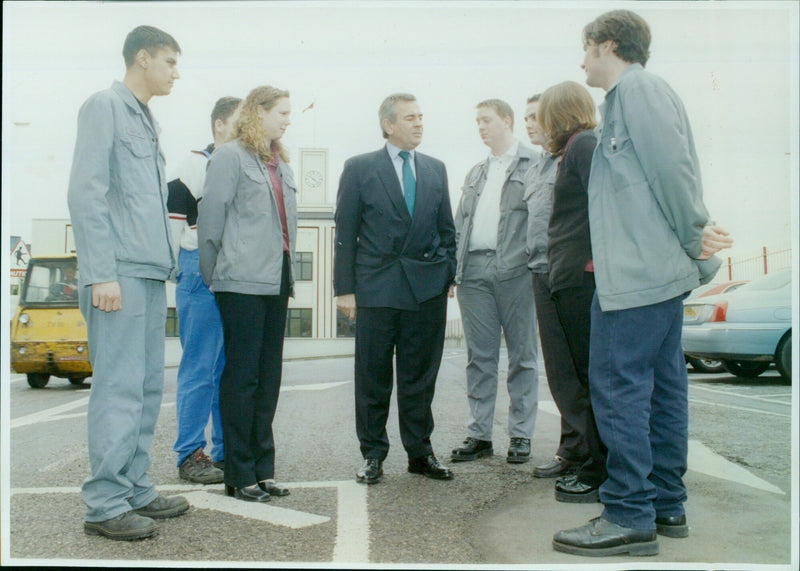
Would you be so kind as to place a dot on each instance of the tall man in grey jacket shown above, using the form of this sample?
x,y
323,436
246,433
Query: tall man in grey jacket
x,y
494,287
118,206
651,245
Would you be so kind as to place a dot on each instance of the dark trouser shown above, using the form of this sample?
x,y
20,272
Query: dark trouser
x,y
640,398
253,327
567,390
417,338
574,310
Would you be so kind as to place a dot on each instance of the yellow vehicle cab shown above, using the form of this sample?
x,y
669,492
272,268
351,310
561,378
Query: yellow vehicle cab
x,y
48,333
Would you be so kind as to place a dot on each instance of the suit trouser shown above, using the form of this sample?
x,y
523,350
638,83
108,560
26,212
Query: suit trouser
x,y
640,397
202,360
126,348
568,393
487,305
416,338
253,326
574,311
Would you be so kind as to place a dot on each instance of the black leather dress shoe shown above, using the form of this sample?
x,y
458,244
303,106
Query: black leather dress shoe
x,y
600,537
571,490
519,450
430,467
248,493
471,449
371,471
672,526
556,467
272,488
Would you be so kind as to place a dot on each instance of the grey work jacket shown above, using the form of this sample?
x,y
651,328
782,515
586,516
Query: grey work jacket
x,y
646,209
118,191
539,182
512,250
239,233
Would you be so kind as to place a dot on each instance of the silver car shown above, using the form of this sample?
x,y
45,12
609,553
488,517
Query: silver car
x,y
746,329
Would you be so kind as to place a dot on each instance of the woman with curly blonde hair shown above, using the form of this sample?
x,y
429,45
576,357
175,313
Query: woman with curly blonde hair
x,y
567,116
247,229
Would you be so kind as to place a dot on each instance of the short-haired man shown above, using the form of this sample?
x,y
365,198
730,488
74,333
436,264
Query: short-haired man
x,y
569,394
494,287
118,206
394,260
202,360
651,245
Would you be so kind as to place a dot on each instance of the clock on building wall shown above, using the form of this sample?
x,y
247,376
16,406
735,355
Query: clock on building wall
x,y
313,176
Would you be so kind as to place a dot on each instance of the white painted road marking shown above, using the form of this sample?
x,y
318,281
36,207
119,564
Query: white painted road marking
x,y
47,414
351,544
252,510
703,460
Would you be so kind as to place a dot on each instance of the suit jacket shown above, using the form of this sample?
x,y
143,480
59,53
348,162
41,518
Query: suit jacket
x,y
383,255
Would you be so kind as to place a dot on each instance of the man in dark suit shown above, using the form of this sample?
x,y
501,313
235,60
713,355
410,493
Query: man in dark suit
x,y
394,262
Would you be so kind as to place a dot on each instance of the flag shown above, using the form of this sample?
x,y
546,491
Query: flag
x,y
309,107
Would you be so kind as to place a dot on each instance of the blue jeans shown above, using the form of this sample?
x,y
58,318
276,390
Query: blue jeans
x,y
639,391
200,328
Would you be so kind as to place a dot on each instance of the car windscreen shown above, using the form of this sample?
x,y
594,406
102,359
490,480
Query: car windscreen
x,y
51,282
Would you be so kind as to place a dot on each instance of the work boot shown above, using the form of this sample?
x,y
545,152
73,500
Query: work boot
x,y
198,468
126,527
164,507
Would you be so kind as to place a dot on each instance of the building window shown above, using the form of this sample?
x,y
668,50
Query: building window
x,y
304,266
344,327
298,323
172,322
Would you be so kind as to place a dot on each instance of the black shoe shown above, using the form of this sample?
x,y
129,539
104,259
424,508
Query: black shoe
x,y
248,493
556,467
371,471
571,490
272,488
471,449
519,450
600,537
429,467
672,526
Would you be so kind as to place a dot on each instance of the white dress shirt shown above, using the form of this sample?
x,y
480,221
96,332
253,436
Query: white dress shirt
x,y
487,213
397,161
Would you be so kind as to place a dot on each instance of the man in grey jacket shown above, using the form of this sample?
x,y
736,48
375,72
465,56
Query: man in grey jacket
x,y
651,244
118,207
494,288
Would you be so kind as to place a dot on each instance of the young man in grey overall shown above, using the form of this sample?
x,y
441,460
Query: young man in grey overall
x,y
118,206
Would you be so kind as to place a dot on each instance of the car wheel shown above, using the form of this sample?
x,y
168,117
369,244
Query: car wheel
x,y
746,369
706,365
77,380
38,380
783,357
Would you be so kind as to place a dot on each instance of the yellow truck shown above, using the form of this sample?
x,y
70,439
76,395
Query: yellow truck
x,y
48,332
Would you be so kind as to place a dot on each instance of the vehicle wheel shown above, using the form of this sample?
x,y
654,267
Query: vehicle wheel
x,y
38,380
746,369
77,380
706,365
783,358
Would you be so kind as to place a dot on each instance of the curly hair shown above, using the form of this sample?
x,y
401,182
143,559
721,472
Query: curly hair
x,y
563,110
247,125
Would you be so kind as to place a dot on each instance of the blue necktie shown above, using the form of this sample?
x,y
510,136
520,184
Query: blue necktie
x,y
409,183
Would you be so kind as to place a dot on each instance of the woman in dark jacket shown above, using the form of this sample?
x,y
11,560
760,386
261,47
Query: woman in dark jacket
x,y
247,228
567,116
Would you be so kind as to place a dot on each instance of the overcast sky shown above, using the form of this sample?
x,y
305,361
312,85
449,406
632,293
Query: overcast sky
x,y
734,64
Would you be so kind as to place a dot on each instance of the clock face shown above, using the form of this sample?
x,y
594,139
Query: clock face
x,y
313,178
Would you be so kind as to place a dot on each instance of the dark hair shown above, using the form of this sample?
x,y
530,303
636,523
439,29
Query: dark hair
x,y
387,110
565,109
146,38
628,30
223,108
534,98
502,109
